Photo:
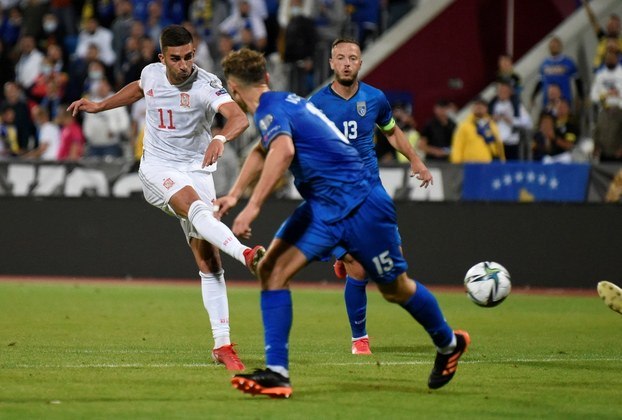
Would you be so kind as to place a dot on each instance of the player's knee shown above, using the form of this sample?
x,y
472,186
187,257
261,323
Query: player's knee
x,y
399,291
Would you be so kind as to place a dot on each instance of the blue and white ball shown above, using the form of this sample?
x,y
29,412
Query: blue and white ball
x,y
487,283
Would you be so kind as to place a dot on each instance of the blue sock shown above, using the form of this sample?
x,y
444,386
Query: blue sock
x,y
424,308
356,306
276,311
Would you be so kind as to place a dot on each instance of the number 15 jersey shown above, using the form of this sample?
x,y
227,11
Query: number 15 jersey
x,y
179,117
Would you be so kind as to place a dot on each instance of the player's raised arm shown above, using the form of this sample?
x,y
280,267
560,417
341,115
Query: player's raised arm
x,y
248,174
234,126
276,163
129,94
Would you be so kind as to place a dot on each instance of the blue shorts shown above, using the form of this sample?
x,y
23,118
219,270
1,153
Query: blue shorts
x,y
369,234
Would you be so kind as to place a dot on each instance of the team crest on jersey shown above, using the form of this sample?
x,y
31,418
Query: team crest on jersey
x,y
361,108
265,122
168,183
185,100
215,84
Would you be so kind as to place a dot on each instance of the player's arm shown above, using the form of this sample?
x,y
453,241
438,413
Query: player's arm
x,y
277,162
398,140
236,123
129,94
250,171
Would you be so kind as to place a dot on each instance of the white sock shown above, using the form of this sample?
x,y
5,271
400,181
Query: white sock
x,y
279,369
214,231
450,347
214,291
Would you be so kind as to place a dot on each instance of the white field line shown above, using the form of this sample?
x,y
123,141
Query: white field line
x,y
367,363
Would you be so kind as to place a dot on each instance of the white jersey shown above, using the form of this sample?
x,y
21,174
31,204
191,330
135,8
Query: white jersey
x,y
179,117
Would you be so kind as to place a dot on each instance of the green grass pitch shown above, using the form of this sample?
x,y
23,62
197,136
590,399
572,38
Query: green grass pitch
x,y
94,350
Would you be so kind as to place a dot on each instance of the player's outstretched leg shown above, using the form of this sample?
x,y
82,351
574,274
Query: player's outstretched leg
x,y
217,233
424,307
355,297
611,295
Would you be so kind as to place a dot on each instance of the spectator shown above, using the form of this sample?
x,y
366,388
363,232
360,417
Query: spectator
x,y
8,134
52,32
607,93
95,34
365,19
7,69
435,141
29,64
611,33
148,55
405,121
292,8
553,96
477,139
121,29
156,20
544,138
49,136
71,136
66,15
55,54
105,131
78,72
243,20
558,69
512,122
12,27
555,145
300,42
96,75
47,76
566,128
25,129
506,73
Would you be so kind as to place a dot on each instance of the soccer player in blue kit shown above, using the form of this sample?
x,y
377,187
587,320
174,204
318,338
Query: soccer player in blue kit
x,y
340,207
357,108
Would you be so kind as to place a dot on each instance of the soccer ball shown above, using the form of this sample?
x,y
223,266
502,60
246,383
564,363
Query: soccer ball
x,y
487,283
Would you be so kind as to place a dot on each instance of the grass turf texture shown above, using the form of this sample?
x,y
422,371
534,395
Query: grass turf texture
x,y
97,350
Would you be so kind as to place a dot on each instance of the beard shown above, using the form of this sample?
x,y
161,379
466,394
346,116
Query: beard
x,y
345,82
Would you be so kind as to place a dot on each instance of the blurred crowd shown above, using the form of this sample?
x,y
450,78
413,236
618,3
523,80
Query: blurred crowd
x,y
53,52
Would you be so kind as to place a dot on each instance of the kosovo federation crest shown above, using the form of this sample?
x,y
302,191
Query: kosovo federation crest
x,y
184,100
361,108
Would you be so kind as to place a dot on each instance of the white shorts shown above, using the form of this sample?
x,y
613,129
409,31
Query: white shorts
x,y
161,182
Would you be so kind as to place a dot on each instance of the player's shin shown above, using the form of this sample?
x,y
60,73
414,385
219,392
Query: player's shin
x,y
277,314
424,307
214,291
214,231
356,306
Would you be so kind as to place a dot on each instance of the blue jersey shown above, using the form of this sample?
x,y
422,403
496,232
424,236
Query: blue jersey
x,y
560,70
328,171
357,117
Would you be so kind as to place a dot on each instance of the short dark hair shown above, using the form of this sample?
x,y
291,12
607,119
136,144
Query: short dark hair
x,y
174,36
344,41
246,65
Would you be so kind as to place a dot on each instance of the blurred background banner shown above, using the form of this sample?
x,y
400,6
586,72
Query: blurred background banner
x,y
518,181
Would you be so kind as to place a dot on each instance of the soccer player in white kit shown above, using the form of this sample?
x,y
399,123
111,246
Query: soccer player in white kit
x,y
179,157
